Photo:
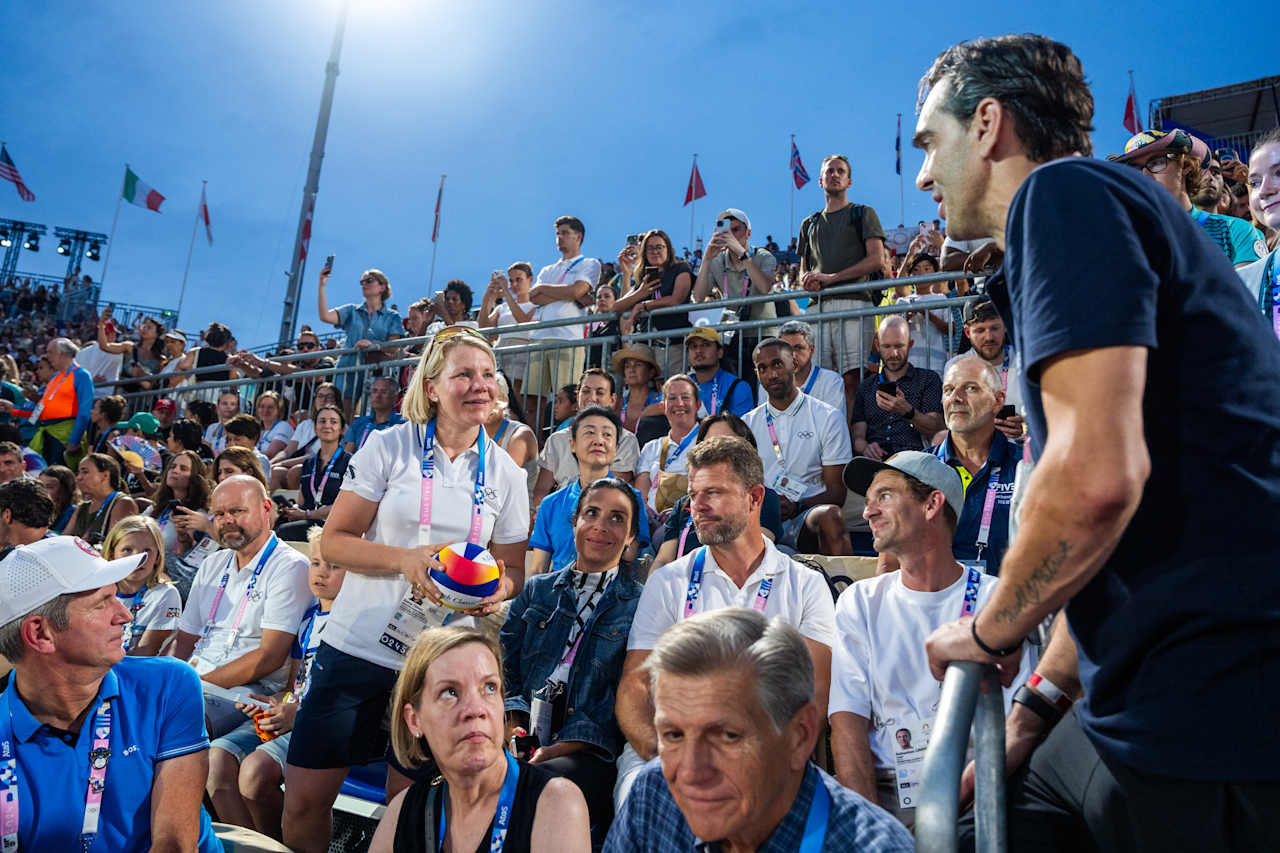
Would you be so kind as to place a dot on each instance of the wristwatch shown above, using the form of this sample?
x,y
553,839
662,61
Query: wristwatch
x,y
744,257
911,414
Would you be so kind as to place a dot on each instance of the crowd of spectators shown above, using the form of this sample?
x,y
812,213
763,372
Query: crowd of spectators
x,y
237,571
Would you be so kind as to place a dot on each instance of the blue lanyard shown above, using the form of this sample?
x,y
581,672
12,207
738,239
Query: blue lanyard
x,y
813,377
695,586
244,602
672,457
135,630
502,428
569,268
970,605
501,820
428,485
815,825
300,681
106,506
324,481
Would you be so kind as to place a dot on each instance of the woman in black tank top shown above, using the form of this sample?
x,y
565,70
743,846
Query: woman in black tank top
x,y
448,708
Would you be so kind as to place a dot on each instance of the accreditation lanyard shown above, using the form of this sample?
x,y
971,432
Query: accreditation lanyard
x,y
680,448
98,757
248,590
105,507
307,653
316,494
501,819
988,508
572,654
746,276
1004,369
684,534
970,604
135,629
695,586
50,391
502,428
428,486
1275,297
569,268
653,397
815,825
813,377
220,442
773,432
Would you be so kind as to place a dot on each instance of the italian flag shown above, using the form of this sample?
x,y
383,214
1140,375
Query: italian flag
x,y
139,193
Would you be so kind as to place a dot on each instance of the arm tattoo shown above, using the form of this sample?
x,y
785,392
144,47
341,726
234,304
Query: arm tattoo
x,y
1030,591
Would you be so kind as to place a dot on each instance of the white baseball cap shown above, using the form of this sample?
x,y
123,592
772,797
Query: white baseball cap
x,y
33,575
735,213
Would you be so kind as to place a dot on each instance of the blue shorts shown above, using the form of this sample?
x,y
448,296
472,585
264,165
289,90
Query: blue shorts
x,y
793,528
245,740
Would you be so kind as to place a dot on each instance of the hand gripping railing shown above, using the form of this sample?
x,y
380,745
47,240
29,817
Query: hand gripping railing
x,y
967,684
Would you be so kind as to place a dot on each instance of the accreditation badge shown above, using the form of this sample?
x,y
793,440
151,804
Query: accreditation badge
x,y
910,741
789,487
413,615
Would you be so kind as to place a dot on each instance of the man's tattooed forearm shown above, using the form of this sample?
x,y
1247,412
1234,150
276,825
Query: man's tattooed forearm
x,y
1030,591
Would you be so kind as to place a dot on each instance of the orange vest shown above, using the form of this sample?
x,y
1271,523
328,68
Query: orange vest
x,y
59,398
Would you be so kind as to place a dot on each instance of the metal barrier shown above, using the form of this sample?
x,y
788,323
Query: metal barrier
x,y
966,685
592,350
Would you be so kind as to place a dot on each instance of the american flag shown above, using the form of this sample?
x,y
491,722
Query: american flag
x,y
9,172
798,174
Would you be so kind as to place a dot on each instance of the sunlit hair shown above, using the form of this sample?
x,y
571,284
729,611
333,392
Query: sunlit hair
x,y
417,406
129,525
681,377
273,395
105,464
411,750
990,376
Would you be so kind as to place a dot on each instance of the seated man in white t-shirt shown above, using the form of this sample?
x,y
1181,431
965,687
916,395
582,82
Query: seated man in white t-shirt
x,y
884,699
804,444
557,465
737,567
246,602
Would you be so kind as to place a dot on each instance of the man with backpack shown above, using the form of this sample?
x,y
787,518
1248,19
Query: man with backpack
x,y
841,244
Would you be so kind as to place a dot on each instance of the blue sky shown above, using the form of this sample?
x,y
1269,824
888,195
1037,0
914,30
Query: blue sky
x,y
532,109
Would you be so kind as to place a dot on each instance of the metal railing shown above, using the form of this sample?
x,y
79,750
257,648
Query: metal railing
x,y
966,686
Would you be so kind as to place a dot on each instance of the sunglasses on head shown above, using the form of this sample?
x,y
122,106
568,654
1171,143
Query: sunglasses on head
x,y
454,331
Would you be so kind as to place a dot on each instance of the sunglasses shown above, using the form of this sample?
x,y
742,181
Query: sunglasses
x,y
308,345
368,280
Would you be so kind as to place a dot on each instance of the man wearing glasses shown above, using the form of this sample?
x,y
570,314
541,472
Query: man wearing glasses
x,y
1176,161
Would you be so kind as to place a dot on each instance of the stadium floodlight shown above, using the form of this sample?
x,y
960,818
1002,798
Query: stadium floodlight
x,y
32,242
95,251
64,247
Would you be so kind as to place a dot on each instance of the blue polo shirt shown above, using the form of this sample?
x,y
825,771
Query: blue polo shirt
x,y
359,325
1004,454
553,531
157,713
363,426
739,401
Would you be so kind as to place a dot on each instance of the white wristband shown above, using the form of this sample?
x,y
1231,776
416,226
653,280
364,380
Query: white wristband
x,y
1050,691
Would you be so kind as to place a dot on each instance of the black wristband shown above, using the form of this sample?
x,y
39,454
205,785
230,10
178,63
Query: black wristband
x,y
910,416
1041,707
995,653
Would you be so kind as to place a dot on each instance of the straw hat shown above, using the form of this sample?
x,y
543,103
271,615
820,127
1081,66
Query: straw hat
x,y
640,352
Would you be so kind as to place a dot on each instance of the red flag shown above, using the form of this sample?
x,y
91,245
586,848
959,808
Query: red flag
x,y
696,189
306,230
204,215
1132,122
435,229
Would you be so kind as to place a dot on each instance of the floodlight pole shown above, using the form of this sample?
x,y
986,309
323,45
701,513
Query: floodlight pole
x,y
289,316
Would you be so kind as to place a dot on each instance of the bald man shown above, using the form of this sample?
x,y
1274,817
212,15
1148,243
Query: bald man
x,y
901,407
246,602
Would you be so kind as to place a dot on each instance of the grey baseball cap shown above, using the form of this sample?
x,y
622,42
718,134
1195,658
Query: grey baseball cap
x,y
925,467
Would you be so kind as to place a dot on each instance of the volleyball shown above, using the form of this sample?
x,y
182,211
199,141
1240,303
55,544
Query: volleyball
x,y
468,574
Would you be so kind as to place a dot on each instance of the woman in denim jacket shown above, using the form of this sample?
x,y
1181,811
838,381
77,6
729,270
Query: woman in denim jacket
x,y
564,678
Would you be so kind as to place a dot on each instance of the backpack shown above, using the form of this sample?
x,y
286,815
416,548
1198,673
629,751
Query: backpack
x,y
855,222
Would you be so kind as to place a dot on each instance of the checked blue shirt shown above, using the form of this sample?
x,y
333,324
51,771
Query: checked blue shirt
x,y
650,821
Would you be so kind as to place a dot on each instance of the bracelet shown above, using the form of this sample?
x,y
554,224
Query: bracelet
x,y
1027,697
995,653
1050,691
910,416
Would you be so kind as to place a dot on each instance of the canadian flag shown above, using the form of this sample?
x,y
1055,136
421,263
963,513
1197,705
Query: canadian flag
x,y
1132,122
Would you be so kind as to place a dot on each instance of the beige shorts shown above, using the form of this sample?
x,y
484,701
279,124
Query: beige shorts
x,y
550,370
843,345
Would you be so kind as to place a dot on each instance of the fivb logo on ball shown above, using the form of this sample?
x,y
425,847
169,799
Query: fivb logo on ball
x,y
468,574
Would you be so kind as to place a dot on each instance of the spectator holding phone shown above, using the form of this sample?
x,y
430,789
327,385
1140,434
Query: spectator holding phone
x,y
660,281
738,270
368,326
506,303
901,407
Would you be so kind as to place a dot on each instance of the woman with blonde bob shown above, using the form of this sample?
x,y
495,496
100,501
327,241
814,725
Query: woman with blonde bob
x,y
434,480
151,599
448,709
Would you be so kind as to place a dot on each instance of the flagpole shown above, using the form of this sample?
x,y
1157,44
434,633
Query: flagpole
x,y
791,221
693,207
191,245
435,243
902,207
111,241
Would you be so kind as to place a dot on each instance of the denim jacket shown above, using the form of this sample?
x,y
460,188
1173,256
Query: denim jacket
x,y
533,641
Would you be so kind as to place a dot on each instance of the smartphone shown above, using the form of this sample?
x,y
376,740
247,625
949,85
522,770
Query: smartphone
x,y
497,274
328,264
525,745
1006,412
633,240
109,327
890,388
723,226
171,506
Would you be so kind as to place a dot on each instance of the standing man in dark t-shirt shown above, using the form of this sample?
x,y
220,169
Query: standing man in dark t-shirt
x,y
841,244
1160,545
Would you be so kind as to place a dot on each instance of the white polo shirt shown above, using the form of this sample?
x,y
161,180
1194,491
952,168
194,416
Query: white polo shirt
x,y
388,471
800,596
278,602
810,433
558,458
568,271
828,386
879,669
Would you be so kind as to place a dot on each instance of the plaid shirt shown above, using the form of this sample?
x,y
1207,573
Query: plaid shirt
x,y
651,821
923,390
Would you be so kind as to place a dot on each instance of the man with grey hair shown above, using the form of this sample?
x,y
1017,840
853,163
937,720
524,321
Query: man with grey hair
x,y
77,715
245,604
985,459
736,724
736,567
880,678
62,414
813,379
901,407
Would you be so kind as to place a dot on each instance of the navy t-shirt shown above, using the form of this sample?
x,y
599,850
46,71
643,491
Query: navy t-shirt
x,y
1182,623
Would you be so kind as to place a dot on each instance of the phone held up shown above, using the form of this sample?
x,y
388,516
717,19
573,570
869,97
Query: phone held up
x,y
890,388
328,265
723,226
1006,411
633,240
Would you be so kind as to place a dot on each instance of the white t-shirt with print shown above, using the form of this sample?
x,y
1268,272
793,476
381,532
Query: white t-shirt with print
x,y
810,433
278,602
879,669
800,596
388,471
583,269
161,607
